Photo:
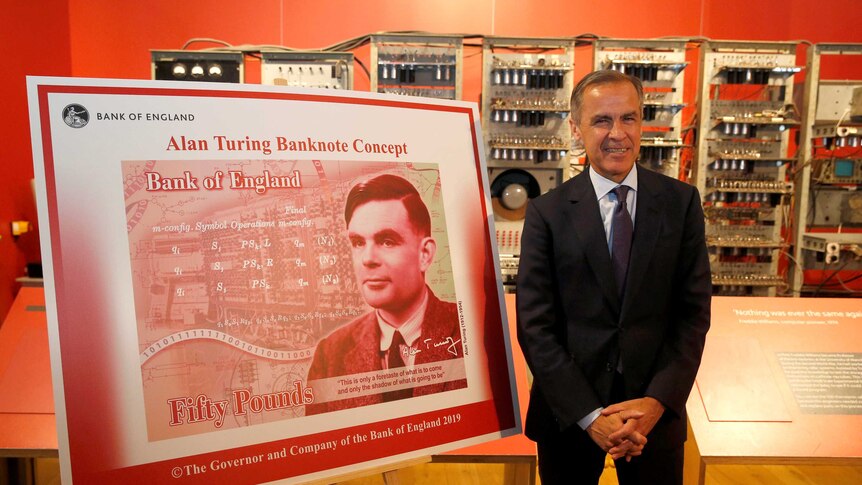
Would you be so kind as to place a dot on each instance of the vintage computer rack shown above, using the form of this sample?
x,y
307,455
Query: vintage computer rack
x,y
828,207
526,84
745,117
417,65
307,69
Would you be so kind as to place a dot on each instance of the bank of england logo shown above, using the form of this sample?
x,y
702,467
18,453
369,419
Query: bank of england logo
x,y
76,116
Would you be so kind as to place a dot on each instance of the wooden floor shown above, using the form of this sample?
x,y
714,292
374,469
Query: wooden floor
x,y
492,474
458,474
47,471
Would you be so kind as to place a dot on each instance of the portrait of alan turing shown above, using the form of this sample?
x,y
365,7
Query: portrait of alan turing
x,y
389,232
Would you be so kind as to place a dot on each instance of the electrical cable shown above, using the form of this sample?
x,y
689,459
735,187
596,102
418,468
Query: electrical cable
x,y
831,275
473,54
362,65
203,39
843,282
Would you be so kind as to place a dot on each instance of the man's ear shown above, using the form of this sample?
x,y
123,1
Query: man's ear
x,y
427,250
576,132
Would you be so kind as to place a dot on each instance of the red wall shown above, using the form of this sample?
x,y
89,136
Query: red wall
x,y
36,37
789,20
111,38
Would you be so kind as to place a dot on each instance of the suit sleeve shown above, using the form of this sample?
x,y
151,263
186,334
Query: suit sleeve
x,y
680,355
542,327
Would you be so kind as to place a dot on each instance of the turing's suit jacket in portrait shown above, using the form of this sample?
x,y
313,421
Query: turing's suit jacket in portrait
x,y
355,348
574,328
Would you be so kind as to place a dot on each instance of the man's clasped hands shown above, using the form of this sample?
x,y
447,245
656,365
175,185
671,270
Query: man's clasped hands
x,y
622,428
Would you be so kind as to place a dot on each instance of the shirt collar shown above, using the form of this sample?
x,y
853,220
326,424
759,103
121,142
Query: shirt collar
x,y
411,329
602,185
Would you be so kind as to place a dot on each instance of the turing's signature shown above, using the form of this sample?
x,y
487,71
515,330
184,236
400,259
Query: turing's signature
x,y
450,343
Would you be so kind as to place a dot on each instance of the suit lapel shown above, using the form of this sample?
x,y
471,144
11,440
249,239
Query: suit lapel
x,y
648,223
588,228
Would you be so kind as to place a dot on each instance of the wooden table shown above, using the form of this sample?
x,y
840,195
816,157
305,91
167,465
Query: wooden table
x,y
743,410
27,426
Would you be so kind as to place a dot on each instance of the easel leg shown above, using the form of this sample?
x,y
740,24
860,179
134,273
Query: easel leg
x,y
391,478
519,473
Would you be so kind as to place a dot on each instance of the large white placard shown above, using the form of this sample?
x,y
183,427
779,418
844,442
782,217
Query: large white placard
x,y
215,312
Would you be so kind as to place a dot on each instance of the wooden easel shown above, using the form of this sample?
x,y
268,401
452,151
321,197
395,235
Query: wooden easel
x,y
389,472
518,470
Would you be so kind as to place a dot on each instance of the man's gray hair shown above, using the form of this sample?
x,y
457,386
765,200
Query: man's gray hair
x,y
598,78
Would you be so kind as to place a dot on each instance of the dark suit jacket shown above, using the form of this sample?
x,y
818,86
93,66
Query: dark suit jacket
x,y
355,348
572,325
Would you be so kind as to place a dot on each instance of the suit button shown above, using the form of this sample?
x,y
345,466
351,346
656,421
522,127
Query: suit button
x,y
609,367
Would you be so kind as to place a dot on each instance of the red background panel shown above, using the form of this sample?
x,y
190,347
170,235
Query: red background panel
x,y
109,38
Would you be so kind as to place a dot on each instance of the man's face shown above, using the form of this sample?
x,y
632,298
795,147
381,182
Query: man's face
x,y
389,257
610,128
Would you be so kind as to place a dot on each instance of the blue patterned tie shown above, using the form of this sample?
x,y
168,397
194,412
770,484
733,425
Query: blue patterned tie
x,y
621,243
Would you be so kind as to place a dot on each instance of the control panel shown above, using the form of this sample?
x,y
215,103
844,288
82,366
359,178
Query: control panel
x,y
307,69
200,66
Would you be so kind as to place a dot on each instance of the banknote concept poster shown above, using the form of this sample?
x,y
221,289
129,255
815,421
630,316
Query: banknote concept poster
x,y
253,284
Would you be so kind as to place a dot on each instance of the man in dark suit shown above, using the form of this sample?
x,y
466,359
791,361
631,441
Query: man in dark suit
x,y
389,229
613,302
